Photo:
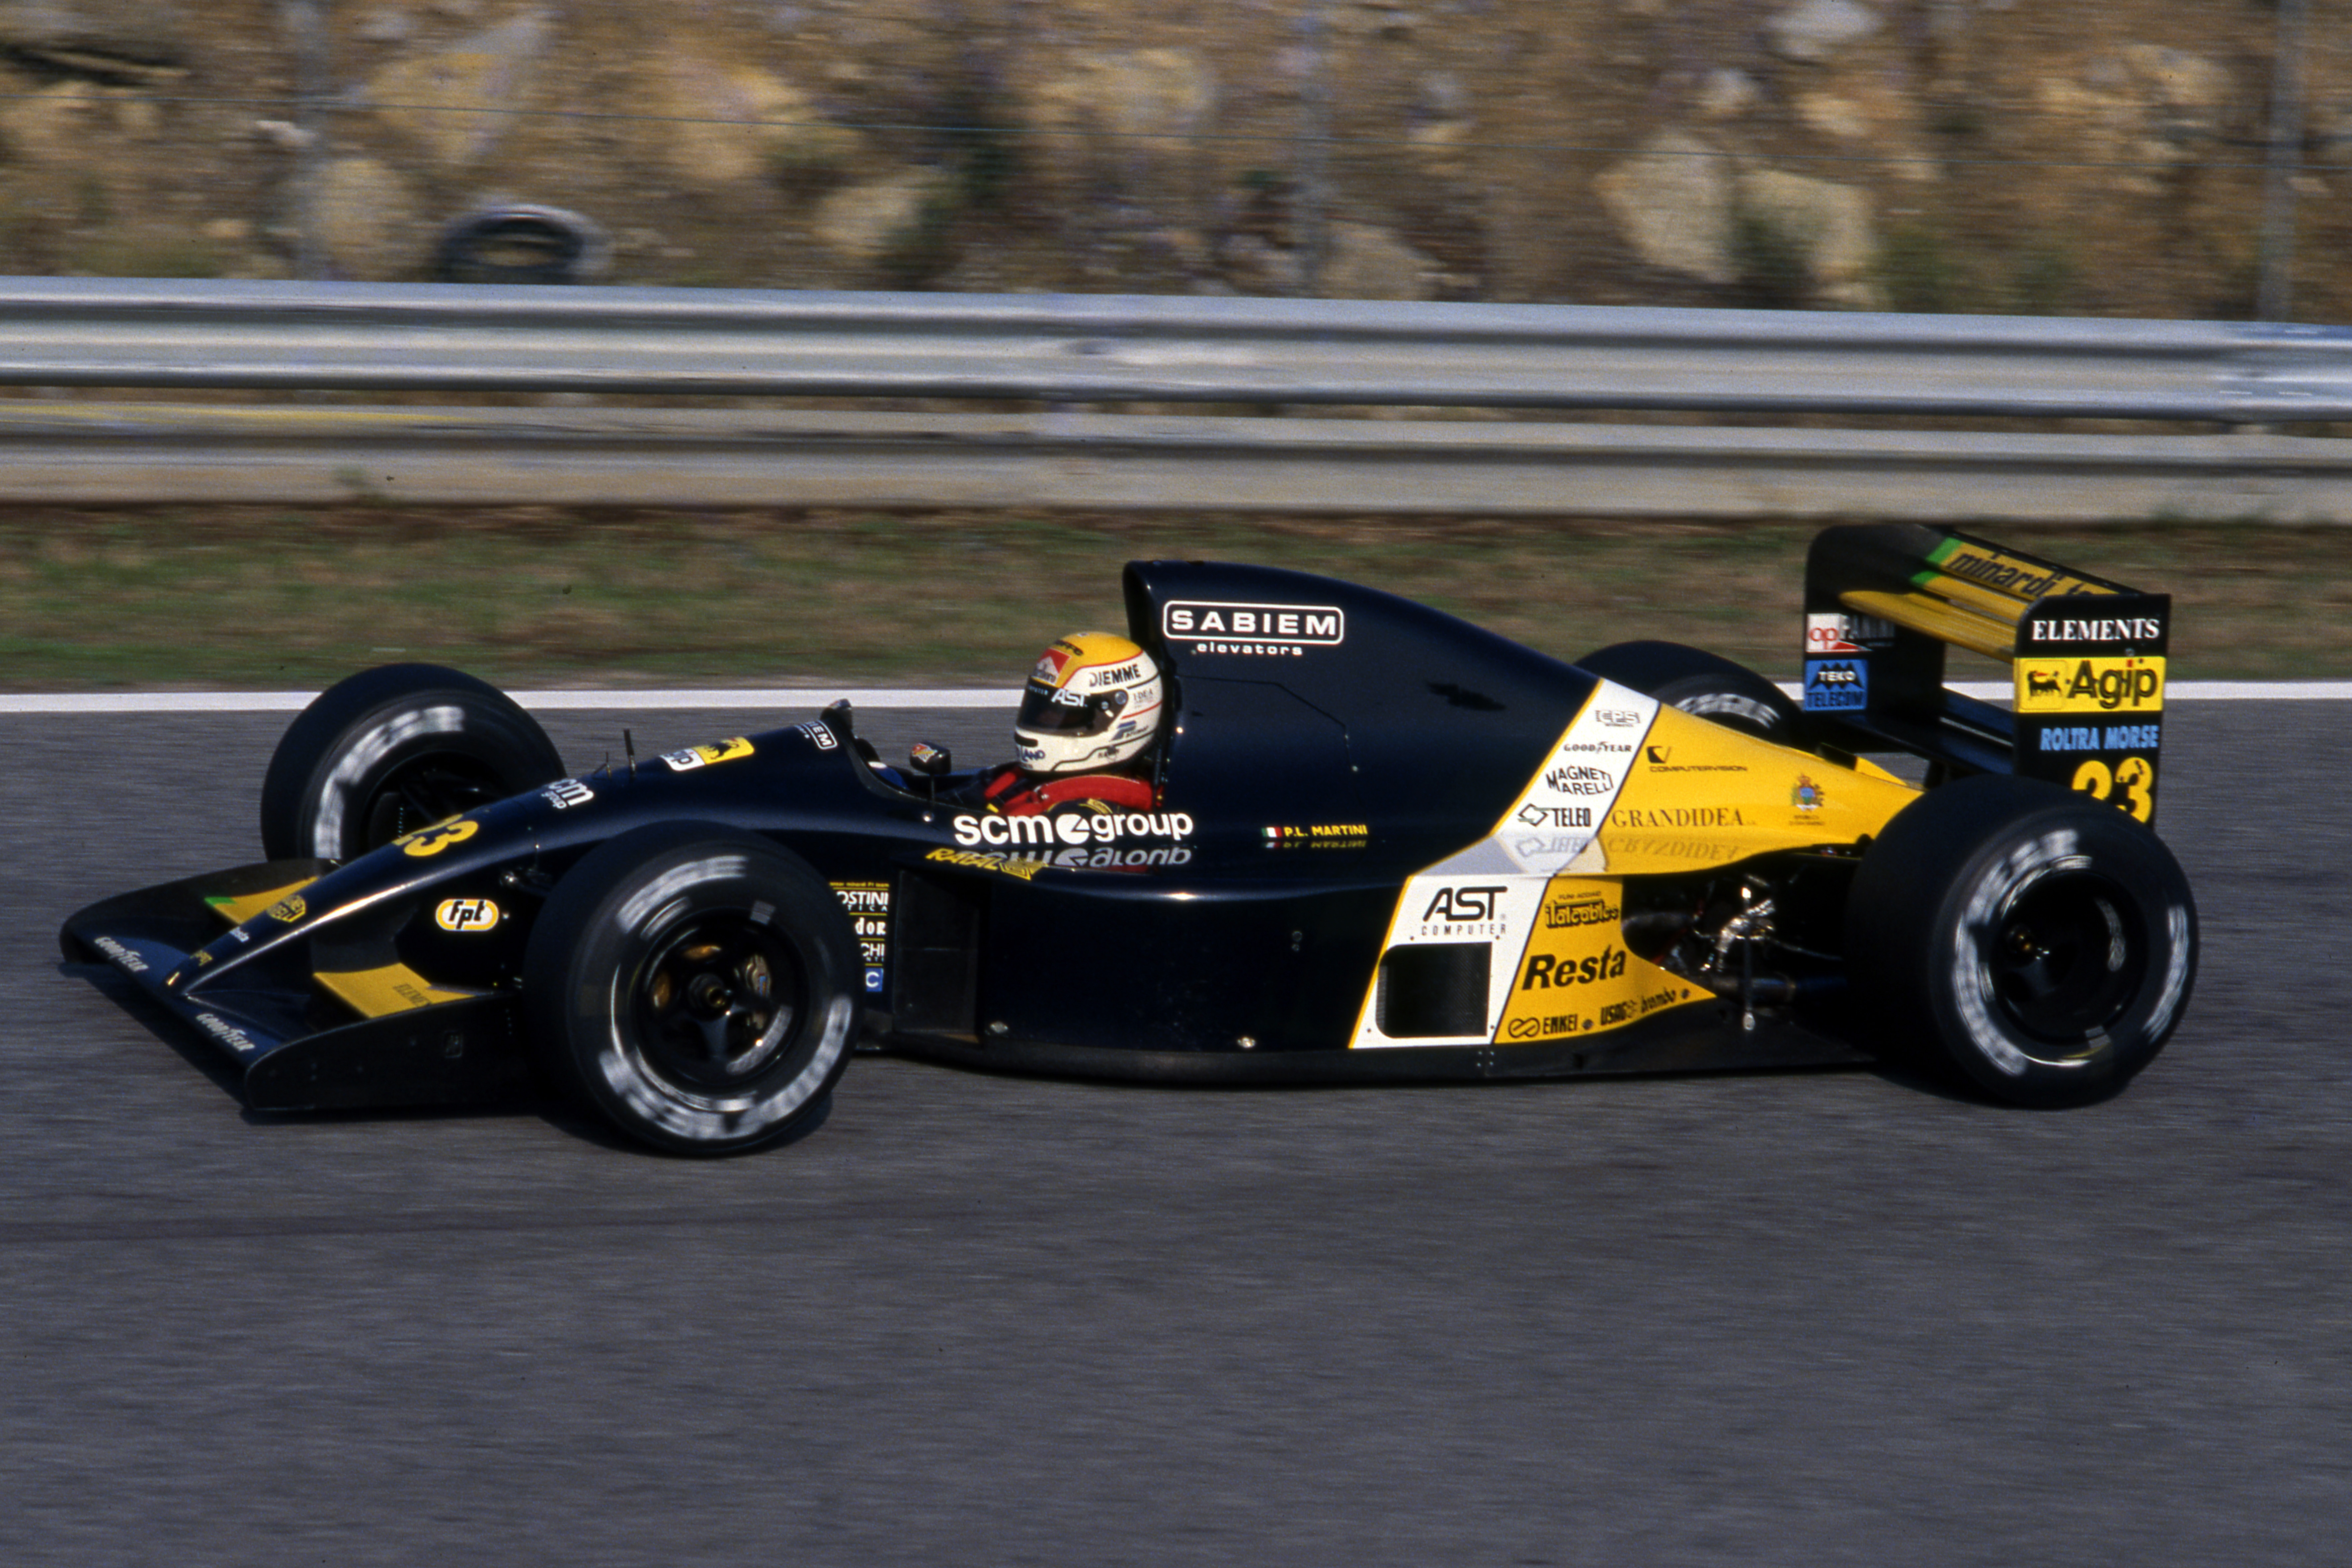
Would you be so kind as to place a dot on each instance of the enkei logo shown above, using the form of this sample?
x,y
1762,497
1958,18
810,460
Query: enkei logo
x,y
465,914
1545,971
1454,904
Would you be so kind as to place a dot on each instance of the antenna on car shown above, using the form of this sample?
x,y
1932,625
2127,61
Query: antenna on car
x,y
629,745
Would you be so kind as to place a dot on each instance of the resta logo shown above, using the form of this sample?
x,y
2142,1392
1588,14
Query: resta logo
x,y
1546,971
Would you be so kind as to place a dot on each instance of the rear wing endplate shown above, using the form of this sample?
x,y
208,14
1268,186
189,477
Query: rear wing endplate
x,y
2086,659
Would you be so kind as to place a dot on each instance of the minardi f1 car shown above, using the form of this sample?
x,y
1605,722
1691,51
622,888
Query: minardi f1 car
x,y
1385,844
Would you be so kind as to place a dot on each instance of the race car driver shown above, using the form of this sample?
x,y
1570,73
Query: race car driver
x,y
1088,717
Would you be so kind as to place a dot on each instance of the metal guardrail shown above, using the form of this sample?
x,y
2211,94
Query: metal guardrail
x,y
115,453
1123,348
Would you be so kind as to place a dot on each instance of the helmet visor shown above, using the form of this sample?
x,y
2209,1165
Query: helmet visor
x,y
1050,712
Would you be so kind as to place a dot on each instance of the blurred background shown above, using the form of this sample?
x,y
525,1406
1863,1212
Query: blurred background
x,y
2137,157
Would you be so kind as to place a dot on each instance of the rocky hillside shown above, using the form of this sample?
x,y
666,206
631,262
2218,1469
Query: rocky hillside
x,y
1922,155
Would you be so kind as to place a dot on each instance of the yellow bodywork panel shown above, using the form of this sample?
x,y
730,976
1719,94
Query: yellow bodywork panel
x,y
394,988
237,910
1940,619
1575,976
1700,795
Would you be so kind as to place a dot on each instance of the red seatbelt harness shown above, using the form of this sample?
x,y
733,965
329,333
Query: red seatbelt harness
x,y
1013,792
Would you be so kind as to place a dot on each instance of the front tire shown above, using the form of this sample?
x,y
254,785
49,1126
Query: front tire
x,y
1701,683
391,750
694,986
2039,945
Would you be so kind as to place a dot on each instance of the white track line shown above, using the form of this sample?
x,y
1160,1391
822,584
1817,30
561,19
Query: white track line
x,y
803,699
800,699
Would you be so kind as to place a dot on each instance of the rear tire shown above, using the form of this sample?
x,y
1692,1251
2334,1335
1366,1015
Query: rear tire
x,y
696,986
2039,945
392,750
1703,684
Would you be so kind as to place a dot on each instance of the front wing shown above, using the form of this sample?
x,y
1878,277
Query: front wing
x,y
298,1049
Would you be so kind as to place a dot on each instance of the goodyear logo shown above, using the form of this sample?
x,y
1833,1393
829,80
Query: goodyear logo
x,y
2090,685
465,914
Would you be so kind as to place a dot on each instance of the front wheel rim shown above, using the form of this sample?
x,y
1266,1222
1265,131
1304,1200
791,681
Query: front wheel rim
x,y
719,1000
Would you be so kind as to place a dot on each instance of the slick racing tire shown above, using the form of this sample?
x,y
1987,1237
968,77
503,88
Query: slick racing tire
x,y
392,750
696,986
1701,683
2039,945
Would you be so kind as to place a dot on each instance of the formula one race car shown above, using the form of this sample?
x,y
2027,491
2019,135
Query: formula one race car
x,y
1383,844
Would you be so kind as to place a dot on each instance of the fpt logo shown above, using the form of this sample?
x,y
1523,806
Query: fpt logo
x,y
466,916
2090,685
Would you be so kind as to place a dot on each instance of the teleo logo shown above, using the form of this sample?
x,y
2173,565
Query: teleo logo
x,y
1073,828
1457,904
2080,685
463,915
1545,971
1280,630
1536,816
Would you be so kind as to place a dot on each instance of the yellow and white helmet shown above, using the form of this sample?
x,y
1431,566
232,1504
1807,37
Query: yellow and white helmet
x,y
1092,702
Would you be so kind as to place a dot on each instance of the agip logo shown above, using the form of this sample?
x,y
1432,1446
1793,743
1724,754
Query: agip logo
x,y
2090,685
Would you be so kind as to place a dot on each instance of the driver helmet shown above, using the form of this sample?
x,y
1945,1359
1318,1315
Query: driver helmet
x,y
1092,702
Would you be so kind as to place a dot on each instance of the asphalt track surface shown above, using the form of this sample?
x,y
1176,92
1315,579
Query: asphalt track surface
x,y
1797,1318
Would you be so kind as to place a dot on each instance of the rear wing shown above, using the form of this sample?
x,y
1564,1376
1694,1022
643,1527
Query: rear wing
x,y
2086,659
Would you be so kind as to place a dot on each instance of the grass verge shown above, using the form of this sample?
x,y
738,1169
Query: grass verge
x,y
162,597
